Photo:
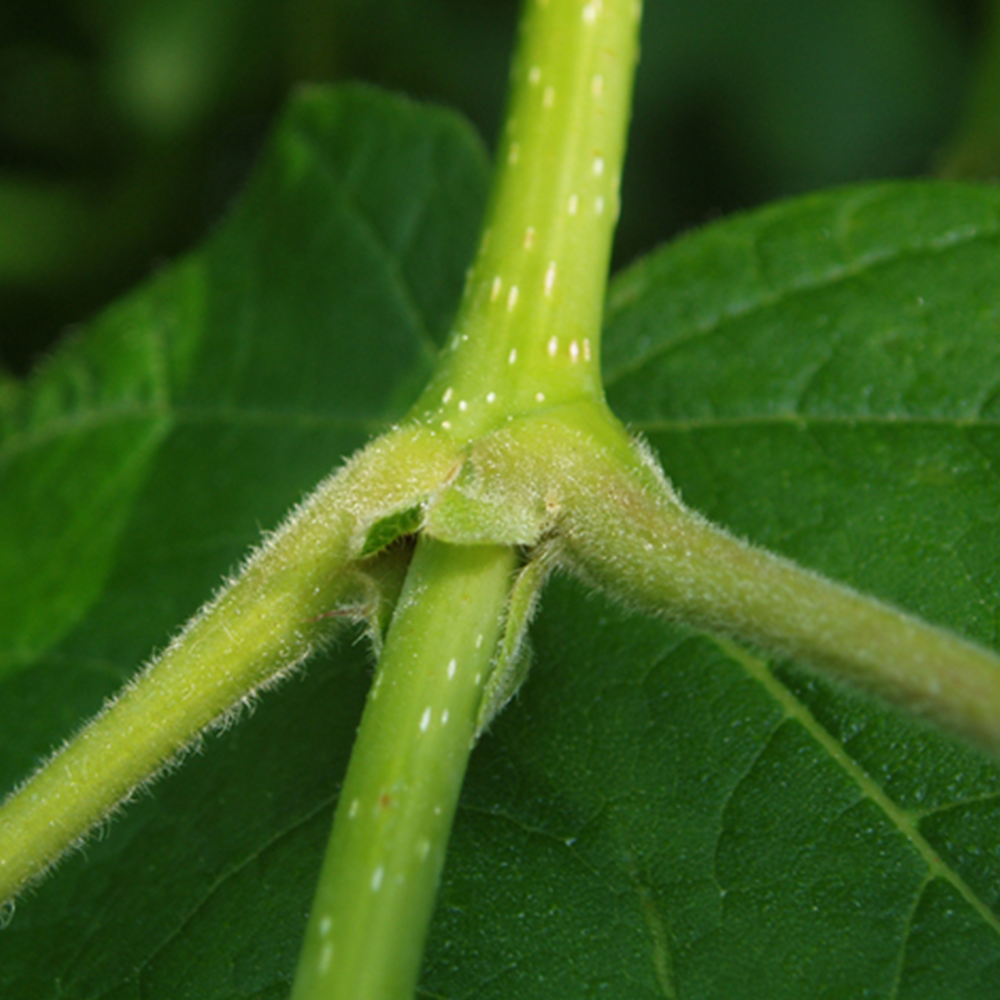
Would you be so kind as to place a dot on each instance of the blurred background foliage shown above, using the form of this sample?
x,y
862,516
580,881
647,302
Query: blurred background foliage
x,y
127,126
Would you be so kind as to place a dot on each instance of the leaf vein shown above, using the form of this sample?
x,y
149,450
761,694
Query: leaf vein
x,y
904,821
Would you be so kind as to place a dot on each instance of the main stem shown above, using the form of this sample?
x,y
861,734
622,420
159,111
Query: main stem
x,y
526,339
377,888
527,336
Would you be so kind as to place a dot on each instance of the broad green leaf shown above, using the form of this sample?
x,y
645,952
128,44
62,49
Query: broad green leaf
x,y
661,814
657,813
145,458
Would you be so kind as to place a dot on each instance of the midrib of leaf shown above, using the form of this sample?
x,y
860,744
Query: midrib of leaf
x,y
622,297
100,666
96,419
903,820
249,416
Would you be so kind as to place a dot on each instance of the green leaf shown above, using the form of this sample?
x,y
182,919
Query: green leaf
x,y
657,813
662,814
140,464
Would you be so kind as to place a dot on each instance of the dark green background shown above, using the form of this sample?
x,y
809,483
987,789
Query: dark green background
x,y
126,126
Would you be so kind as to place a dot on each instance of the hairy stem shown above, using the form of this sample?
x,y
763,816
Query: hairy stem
x,y
643,544
259,626
378,884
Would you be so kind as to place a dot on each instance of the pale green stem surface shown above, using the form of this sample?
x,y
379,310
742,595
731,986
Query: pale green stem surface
x,y
394,814
643,544
527,334
526,339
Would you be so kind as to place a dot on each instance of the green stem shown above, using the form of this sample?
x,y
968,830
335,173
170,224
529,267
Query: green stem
x,y
527,335
633,536
377,888
258,628
526,338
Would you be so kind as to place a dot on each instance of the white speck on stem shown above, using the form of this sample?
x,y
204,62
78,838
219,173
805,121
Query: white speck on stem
x,y
548,97
377,877
553,347
479,641
512,298
444,717
550,277
463,405
325,925
598,166
529,237
592,11
599,205
446,425
539,397
597,86
353,810
573,204
586,349
534,75
452,666
423,848
495,288
478,679
491,397
447,395
512,357
574,351
425,719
